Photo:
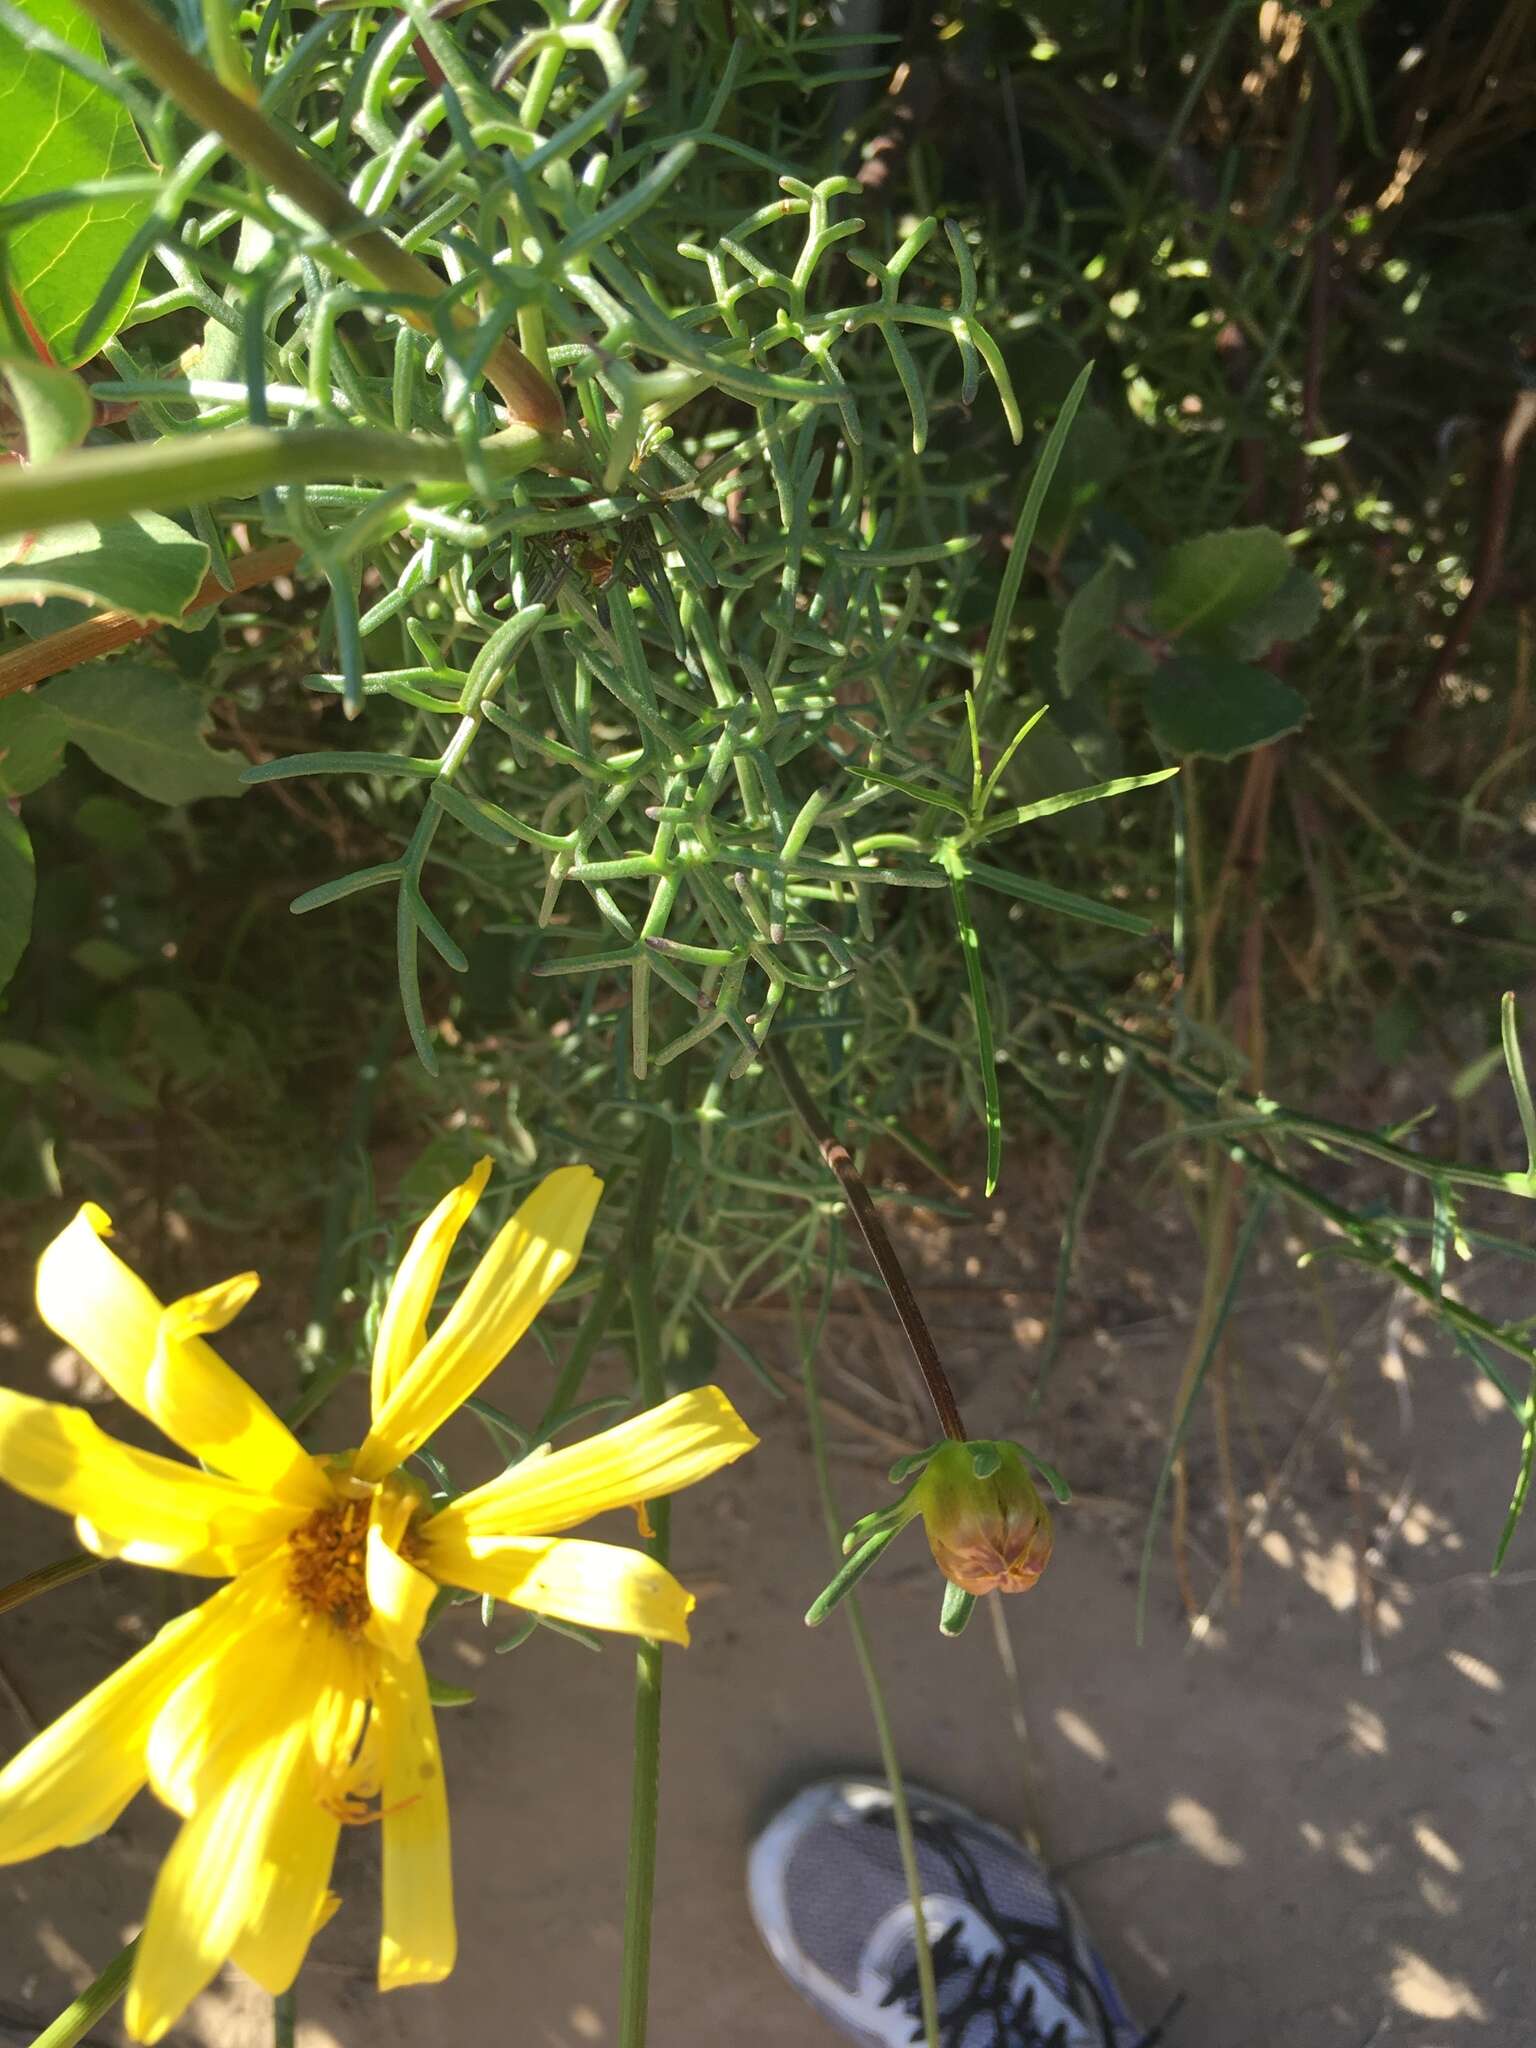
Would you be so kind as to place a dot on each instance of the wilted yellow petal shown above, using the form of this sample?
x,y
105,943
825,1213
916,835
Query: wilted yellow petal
x,y
653,1454
93,1301
527,1261
598,1585
403,1325
133,1504
75,1778
418,1942
211,1884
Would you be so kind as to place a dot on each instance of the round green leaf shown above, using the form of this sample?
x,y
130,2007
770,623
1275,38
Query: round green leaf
x,y
32,736
145,565
1205,704
145,727
1216,578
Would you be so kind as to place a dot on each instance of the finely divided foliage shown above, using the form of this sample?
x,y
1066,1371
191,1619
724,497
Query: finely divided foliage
x,y
646,470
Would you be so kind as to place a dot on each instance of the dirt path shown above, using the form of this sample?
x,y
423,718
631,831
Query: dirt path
x,y
1318,1855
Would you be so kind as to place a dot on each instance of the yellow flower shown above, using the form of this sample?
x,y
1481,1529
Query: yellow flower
x,y
294,1699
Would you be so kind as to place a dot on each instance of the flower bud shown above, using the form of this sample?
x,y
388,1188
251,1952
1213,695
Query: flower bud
x,y
988,1534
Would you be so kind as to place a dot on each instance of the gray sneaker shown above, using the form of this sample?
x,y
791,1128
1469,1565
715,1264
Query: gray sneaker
x,y
1012,1964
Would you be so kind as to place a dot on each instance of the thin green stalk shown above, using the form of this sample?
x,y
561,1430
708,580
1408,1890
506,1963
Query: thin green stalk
x,y
1514,1060
261,148
1090,1163
1213,1336
326,1286
93,2004
1023,536
890,1763
285,2019
640,1882
239,462
839,1161
45,1578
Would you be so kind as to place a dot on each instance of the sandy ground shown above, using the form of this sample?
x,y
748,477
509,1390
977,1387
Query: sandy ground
x,y
1311,1820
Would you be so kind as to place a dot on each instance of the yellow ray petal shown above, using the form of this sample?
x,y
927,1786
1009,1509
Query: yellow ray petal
x,y
75,1778
682,1441
599,1585
528,1259
294,1901
290,1900
398,1594
225,1707
418,1941
403,1325
133,1504
93,1301
211,1883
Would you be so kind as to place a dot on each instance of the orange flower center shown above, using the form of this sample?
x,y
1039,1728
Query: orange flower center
x,y
328,1570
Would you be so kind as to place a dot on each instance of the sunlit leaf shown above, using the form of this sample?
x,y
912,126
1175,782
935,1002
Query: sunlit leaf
x,y
53,408
1216,578
32,737
61,130
146,565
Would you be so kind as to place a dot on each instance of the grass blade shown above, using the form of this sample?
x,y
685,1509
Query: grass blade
x,y
1024,534
1245,1244
953,864
1519,1080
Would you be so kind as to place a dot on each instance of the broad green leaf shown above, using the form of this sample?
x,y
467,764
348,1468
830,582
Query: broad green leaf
x,y
146,728
1289,613
1215,579
145,564
18,891
172,1031
1087,637
32,737
111,824
27,1064
59,131
105,959
1209,705
54,408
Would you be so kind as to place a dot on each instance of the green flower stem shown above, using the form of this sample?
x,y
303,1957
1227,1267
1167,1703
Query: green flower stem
x,y
45,1578
890,1763
840,1162
285,2020
93,2004
257,144
237,462
640,1883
